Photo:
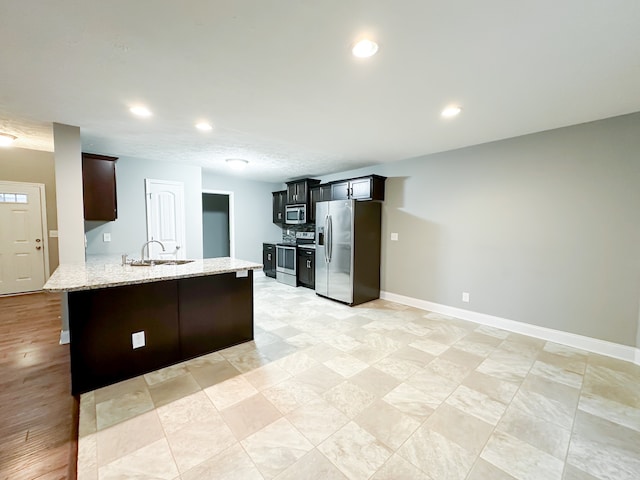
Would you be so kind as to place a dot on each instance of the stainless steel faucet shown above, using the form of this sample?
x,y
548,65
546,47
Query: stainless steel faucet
x,y
147,245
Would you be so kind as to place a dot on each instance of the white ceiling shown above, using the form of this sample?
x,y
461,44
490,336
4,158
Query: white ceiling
x,y
278,81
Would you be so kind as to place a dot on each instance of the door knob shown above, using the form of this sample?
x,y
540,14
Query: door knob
x,y
38,247
37,240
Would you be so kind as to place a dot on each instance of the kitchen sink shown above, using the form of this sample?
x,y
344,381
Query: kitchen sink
x,y
151,263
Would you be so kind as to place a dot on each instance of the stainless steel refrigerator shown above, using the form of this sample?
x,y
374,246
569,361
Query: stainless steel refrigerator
x,y
348,250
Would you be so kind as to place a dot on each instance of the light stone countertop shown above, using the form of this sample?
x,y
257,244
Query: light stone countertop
x,y
92,275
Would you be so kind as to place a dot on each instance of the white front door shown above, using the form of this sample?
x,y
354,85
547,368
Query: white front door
x,y
165,218
22,245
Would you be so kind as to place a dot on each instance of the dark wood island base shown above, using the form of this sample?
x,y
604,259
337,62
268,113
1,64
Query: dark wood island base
x,y
181,319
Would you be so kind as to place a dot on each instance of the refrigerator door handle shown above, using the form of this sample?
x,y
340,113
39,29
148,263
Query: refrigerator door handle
x,y
326,239
330,238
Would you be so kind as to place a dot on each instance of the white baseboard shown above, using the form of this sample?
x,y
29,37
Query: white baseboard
x,y
64,337
602,347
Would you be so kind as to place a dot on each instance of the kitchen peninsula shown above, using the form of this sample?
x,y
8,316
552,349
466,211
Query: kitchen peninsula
x,y
128,320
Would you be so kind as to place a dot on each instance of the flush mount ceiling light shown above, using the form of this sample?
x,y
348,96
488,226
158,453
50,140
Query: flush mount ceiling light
x,y
451,111
140,111
6,139
237,163
204,126
364,48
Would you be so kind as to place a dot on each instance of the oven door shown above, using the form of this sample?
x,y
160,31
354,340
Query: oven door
x,y
286,259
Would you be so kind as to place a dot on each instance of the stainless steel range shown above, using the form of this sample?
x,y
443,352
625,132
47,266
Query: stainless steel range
x,y
287,258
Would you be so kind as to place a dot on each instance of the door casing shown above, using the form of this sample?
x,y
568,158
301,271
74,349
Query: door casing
x,y
232,241
171,236
6,186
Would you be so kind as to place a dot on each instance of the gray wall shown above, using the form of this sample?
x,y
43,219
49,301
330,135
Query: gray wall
x,y
68,171
542,229
252,216
33,166
129,231
215,225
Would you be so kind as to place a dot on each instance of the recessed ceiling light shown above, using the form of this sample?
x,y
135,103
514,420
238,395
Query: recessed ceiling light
x,y
204,126
365,48
451,111
140,111
6,139
237,163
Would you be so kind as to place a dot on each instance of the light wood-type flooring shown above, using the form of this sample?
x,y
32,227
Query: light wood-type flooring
x,y
38,414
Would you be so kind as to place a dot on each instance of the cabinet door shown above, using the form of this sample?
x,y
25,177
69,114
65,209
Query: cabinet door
x,y
216,312
278,206
302,192
325,193
102,322
319,193
269,260
306,267
312,270
340,191
292,191
99,187
316,196
360,188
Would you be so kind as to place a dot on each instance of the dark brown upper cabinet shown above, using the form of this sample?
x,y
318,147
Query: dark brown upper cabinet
x,y
298,191
99,187
319,193
279,200
370,187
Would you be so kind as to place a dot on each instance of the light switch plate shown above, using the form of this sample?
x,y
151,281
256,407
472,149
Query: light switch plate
x,y
394,237
137,339
106,237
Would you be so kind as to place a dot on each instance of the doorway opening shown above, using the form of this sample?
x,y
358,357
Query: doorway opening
x,y
217,224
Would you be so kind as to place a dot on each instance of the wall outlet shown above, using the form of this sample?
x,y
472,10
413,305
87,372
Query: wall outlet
x,y
137,340
394,237
106,237
465,297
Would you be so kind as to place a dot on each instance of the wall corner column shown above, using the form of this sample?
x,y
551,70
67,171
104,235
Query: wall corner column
x,y
69,202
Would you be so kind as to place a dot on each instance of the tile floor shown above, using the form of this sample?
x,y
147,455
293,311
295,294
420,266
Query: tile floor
x,y
379,391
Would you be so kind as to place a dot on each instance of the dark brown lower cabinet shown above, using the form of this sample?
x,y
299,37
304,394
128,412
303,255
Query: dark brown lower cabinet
x,y
181,319
307,267
210,322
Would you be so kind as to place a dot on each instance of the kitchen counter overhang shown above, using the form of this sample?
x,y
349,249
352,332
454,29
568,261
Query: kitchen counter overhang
x,y
125,321
89,276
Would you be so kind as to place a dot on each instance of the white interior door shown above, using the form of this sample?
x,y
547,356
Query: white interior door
x,y
165,218
22,245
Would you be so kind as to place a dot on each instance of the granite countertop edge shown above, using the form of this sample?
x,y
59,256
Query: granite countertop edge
x,y
92,276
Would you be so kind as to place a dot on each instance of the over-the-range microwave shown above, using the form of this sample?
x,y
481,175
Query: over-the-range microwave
x,y
295,214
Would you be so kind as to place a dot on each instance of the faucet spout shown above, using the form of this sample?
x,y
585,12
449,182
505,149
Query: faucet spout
x,y
147,246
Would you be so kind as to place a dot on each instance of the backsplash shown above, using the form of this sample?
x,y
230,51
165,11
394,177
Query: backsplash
x,y
289,232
